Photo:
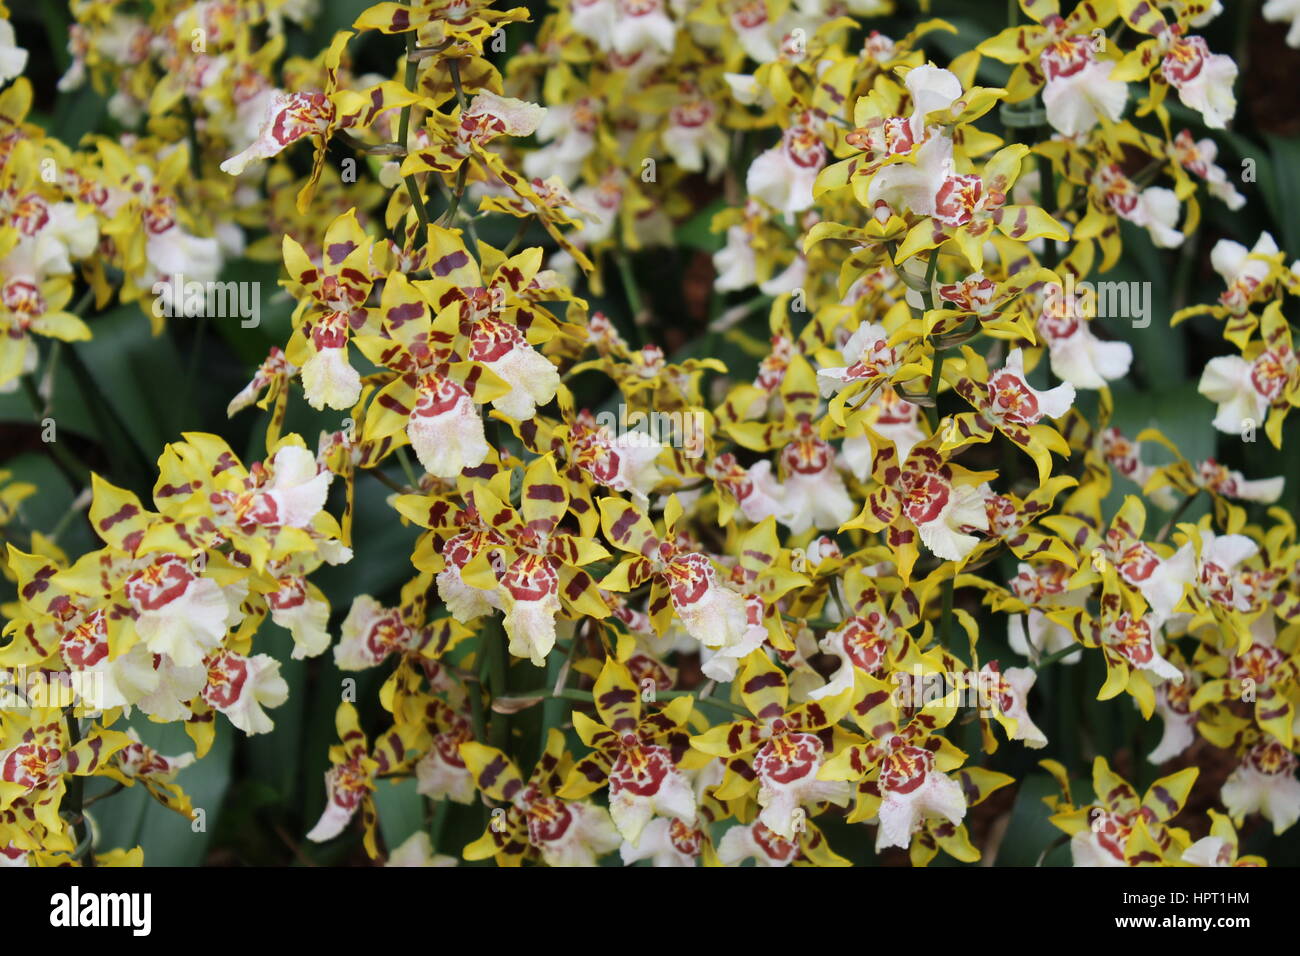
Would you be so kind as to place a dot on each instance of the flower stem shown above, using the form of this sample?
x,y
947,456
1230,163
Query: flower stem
x,y
1055,656
557,672
1178,513
1046,195
1183,273
476,711
632,292
385,480
116,788
518,237
454,67
48,377
448,218
404,129
932,413
79,504
72,799
945,618
438,822
493,642
407,469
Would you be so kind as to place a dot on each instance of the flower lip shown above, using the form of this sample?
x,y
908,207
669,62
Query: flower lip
x,y
227,677
905,768
958,199
1066,57
788,757
927,495
1185,60
159,583
1012,399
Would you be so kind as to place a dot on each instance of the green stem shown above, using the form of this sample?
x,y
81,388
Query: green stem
x,y
407,470
448,218
518,237
413,190
1046,195
82,304
945,618
72,798
77,507
493,641
1055,656
192,133
385,480
1058,842
633,293
839,604
437,824
453,66
1178,513
557,672
1183,275
116,788
936,373
932,413
815,623
404,130
476,708
48,377
932,267
472,230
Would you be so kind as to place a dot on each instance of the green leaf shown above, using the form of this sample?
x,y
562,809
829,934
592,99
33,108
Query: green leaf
x,y
140,377
69,409
401,810
275,759
1283,195
1029,831
45,510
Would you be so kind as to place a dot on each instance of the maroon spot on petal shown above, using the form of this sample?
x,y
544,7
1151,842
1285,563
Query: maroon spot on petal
x,y
546,492
124,513
405,313
623,525
491,772
449,263
336,252
38,583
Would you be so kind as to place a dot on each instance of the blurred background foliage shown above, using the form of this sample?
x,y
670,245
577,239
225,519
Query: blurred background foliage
x,y
119,398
